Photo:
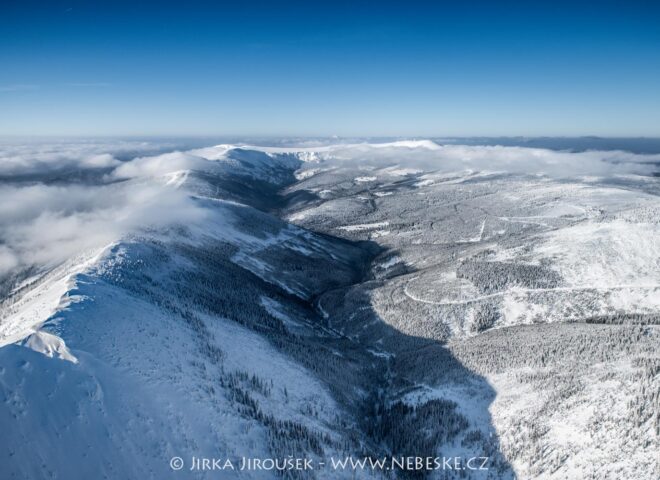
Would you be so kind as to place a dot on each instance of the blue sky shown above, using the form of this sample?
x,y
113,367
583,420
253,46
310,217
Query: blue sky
x,y
329,68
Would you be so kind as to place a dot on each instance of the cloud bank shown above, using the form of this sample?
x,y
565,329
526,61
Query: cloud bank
x,y
48,214
41,159
427,155
161,165
43,225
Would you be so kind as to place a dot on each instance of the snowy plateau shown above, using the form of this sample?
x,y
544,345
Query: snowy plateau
x,y
402,299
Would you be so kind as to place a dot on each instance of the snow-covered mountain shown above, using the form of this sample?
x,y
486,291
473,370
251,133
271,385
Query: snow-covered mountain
x,y
191,339
402,299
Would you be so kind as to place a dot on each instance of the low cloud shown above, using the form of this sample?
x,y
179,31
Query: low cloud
x,y
161,165
43,225
42,159
427,155
48,214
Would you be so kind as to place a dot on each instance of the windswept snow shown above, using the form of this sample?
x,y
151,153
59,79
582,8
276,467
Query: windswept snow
x,y
30,306
50,345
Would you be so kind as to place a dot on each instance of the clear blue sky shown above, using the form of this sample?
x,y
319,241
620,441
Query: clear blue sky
x,y
324,68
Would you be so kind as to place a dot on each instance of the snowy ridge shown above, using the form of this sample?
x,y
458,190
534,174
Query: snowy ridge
x,y
127,345
31,305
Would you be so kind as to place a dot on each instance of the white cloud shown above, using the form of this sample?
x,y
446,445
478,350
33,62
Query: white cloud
x,y
42,225
161,165
430,156
42,159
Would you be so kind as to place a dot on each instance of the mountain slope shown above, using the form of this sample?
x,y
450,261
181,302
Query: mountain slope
x,y
196,340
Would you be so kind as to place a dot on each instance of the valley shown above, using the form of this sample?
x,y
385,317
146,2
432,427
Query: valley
x,y
381,300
